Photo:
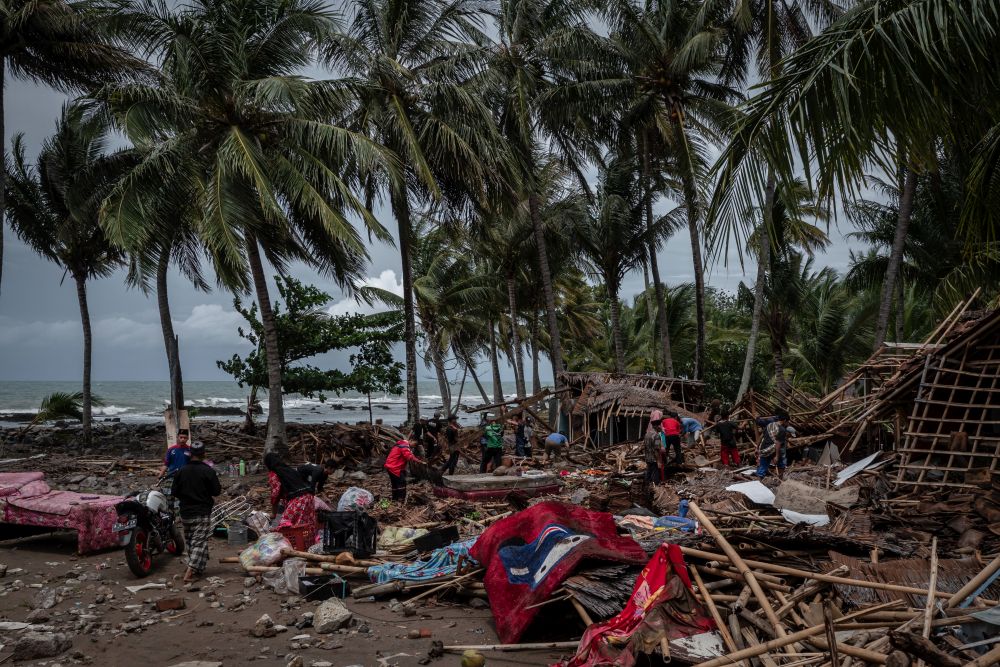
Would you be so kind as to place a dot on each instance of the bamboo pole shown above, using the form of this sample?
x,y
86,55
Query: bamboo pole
x,y
931,589
816,576
766,647
511,647
974,584
747,573
986,660
714,611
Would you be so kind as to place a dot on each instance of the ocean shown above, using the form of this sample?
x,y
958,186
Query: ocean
x,y
145,401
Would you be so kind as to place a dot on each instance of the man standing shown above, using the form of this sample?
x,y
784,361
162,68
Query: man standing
x,y
671,427
451,442
195,487
178,454
493,452
652,446
772,446
727,438
520,441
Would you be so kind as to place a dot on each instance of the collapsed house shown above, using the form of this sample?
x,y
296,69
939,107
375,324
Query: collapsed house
x,y
609,408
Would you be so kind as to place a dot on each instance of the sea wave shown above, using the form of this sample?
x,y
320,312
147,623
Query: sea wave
x,y
111,410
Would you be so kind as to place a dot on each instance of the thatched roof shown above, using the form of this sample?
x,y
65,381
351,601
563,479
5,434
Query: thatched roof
x,y
632,394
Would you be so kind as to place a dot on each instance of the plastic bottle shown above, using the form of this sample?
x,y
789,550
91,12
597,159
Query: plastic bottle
x,y
243,468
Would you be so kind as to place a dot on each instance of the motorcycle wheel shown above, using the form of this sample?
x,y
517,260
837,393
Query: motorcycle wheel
x,y
137,554
175,545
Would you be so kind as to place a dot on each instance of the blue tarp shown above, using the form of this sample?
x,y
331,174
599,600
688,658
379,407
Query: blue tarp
x,y
443,562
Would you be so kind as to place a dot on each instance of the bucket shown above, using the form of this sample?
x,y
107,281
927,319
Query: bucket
x,y
237,534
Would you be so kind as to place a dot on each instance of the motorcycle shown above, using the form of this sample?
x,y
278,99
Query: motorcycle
x,y
147,527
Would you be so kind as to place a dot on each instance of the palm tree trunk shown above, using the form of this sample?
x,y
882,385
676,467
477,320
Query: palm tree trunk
x,y
536,381
693,212
276,440
442,377
780,383
616,327
495,362
515,340
661,301
401,211
167,326
81,295
475,378
895,256
555,345
654,326
900,309
3,159
763,259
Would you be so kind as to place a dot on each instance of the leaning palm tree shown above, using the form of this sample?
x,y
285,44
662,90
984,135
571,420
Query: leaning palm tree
x,y
59,405
411,63
669,62
541,45
54,206
235,134
60,43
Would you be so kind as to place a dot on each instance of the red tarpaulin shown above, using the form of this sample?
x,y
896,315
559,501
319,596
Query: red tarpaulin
x,y
529,555
662,606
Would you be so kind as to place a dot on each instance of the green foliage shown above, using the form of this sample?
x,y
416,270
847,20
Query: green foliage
x,y
305,330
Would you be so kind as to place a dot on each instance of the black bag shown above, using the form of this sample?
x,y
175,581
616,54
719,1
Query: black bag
x,y
352,531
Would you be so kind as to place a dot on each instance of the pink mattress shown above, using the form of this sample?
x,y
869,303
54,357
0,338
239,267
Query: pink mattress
x,y
30,502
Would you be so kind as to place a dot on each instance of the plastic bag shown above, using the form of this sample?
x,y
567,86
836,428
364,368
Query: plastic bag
x,y
355,498
293,568
265,551
259,522
394,535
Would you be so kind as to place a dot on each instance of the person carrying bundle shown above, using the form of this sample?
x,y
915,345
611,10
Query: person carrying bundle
x,y
289,486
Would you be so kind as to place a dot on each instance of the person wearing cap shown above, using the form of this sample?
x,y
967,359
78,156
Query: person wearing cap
x,y
195,487
773,445
178,454
493,451
395,465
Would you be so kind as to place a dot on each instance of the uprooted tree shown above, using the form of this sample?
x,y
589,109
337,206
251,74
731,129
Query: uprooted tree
x,y
306,329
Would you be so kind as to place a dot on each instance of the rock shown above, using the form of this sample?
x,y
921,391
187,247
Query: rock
x,y
338,474
500,471
357,476
320,663
331,615
170,604
38,616
197,663
264,627
479,603
44,599
295,661
35,645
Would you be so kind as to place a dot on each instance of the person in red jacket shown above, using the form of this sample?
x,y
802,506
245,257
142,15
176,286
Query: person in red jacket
x,y
395,465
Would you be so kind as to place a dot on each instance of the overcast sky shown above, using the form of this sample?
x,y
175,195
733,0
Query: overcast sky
x,y
40,336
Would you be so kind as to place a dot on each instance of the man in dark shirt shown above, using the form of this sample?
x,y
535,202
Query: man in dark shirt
x,y
451,442
195,487
316,475
431,431
727,438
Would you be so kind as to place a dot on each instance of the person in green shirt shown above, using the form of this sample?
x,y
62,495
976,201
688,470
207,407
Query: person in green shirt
x,y
493,451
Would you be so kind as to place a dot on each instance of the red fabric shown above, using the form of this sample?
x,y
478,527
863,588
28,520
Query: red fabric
x,y
671,426
662,605
275,485
12,482
398,456
730,454
531,553
300,512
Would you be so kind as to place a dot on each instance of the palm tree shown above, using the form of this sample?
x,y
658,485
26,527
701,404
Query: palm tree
x,y
54,206
60,43
759,36
615,238
59,405
233,133
541,45
670,59
411,62
839,99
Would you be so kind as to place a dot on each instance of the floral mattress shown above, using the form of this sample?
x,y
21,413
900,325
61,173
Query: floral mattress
x,y
27,500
